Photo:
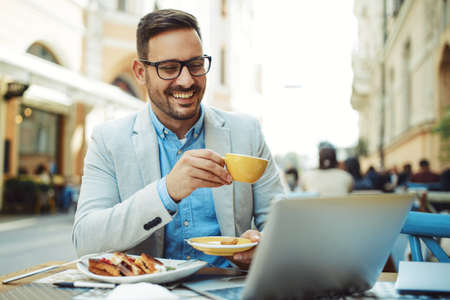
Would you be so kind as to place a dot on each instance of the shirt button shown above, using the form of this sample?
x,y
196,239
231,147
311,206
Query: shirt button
x,y
195,135
179,152
165,131
188,257
186,223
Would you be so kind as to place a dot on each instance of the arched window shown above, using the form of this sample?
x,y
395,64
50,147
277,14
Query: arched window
x,y
43,52
125,86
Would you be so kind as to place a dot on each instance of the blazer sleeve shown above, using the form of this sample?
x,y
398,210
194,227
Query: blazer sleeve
x,y
103,221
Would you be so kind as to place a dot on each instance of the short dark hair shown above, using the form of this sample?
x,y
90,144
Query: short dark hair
x,y
292,171
160,21
424,163
327,158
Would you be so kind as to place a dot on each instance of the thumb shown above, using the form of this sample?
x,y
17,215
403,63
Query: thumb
x,y
253,236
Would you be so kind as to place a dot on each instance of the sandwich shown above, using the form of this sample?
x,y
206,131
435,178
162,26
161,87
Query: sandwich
x,y
121,264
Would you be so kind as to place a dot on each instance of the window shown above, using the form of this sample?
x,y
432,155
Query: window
x,y
43,52
444,13
124,86
38,132
39,136
397,6
407,86
391,127
223,8
122,5
223,66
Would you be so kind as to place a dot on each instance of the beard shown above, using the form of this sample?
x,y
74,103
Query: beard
x,y
172,109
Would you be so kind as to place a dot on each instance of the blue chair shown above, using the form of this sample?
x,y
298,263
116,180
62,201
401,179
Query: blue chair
x,y
427,227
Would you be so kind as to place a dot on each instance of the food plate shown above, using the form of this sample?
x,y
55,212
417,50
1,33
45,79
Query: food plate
x,y
183,269
211,245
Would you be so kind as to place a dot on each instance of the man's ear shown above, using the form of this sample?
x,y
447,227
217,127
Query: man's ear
x,y
139,71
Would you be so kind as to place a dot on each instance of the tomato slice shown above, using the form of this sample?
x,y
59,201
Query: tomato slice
x,y
106,261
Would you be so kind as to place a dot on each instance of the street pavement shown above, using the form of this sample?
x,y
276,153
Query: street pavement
x,y
30,240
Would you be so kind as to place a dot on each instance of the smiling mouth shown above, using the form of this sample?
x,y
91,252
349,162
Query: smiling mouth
x,y
183,95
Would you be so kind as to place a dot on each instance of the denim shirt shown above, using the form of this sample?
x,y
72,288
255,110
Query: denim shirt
x,y
195,215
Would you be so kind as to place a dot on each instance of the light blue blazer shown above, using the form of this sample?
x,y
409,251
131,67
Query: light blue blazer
x,y
119,207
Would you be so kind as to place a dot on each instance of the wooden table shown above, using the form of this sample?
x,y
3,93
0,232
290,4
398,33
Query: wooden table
x,y
389,277
5,287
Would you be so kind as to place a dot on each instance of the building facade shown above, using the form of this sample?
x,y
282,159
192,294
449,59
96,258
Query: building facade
x,y
48,53
74,58
401,80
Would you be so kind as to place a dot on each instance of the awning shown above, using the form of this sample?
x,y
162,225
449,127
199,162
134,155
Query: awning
x,y
47,99
33,70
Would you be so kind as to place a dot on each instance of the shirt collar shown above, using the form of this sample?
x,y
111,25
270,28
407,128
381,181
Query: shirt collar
x,y
162,130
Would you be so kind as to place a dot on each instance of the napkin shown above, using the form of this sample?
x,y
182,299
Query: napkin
x,y
141,291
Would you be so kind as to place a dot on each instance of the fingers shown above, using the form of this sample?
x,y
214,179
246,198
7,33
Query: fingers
x,y
244,258
252,235
210,162
196,169
197,183
210,155
206,176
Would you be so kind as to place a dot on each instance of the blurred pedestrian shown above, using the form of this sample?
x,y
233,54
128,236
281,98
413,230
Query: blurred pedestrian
x,y
404,176
291,176
445,180
425,175
360,183
42,174
372,175
328,180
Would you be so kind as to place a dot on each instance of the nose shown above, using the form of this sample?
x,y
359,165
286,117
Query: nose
x,y
185,79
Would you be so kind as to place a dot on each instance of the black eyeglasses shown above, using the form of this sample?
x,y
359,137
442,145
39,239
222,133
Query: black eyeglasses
x,y
171,69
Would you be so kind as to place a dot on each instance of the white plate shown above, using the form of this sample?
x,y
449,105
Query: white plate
x,y
181,271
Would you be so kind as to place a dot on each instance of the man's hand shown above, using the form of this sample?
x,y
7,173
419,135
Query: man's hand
x,y
196,169
243,259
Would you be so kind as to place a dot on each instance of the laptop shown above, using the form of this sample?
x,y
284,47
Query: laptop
x,y
319,247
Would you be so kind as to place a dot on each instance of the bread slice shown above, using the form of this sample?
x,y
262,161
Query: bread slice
x,y
99,266
148,268
148,259
121,264
120,258
99,271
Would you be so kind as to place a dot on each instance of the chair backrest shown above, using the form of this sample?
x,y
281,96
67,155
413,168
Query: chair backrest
x,y
427,227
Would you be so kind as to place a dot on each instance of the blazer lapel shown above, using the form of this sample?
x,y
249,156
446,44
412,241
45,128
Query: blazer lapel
x,y
146,146
217,138
147,153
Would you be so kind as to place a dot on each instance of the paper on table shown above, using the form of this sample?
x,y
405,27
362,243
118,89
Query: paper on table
x,y
423,277
67,275
141,291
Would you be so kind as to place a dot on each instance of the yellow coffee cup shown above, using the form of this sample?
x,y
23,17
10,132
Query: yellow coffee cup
x,y
245,168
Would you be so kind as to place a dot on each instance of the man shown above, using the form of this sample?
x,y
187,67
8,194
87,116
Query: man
x,y
157,178
425,175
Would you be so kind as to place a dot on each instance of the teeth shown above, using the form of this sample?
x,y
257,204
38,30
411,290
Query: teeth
x,y
184,95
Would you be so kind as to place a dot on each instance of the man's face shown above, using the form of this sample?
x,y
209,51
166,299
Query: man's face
x,y
179,98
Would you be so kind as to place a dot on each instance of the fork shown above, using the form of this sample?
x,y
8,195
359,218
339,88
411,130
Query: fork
x,y
42,270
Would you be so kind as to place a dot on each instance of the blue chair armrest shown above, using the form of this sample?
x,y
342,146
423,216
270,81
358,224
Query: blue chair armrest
x,y
427,224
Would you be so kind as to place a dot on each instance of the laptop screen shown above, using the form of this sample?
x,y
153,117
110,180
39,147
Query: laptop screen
x,y
325,246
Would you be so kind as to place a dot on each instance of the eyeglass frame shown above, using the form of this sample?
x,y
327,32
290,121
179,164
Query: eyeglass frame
x,y
181,62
